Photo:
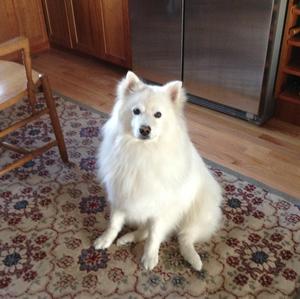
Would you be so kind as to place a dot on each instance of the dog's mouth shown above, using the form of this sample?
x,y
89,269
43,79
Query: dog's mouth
x,y
144,137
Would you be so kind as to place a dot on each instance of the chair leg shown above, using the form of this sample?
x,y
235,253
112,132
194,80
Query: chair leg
x,y
54,118
31,97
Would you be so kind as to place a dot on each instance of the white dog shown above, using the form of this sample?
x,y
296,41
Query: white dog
x,y
153,174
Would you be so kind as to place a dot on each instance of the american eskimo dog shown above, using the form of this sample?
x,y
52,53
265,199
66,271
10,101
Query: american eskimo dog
x,y
153,175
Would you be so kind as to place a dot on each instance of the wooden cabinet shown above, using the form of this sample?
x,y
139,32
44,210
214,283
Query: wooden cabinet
x,y
287,90
57,22
115,24
32,22
8,21
96,27
23,17
85,17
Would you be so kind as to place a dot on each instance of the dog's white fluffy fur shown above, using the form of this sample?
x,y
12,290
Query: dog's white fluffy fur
x,y
157,182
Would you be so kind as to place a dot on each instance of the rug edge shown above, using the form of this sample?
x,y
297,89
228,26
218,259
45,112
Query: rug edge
x,y
251,180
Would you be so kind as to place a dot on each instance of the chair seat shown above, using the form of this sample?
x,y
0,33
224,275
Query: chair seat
x,y
13,82
14,85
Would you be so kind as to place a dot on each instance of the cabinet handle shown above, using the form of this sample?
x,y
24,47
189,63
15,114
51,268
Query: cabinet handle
x,y
293,31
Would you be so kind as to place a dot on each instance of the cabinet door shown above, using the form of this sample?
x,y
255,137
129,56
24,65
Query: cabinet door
x,y
8,21
115,27
85,20
31,22
57,22
23,17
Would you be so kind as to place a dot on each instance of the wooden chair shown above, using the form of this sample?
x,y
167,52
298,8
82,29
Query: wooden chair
x,y
17,82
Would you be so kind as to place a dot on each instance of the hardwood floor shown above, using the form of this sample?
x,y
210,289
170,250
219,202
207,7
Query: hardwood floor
x,y
270,154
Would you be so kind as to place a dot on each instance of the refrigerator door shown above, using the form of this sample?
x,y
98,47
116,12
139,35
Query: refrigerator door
x,y
225,50
156,32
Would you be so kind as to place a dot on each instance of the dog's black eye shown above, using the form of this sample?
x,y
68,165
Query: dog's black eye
x,y
157,114
136,111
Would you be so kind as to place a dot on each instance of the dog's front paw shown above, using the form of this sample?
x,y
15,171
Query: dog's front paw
x,y
102,242
149,261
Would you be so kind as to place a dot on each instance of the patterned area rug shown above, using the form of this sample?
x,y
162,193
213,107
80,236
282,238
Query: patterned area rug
x,y
51,213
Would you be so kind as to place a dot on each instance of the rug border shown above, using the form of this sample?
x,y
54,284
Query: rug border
x,y
253,181
285,196
86,106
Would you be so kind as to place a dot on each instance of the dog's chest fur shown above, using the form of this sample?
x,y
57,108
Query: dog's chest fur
x,y
134,183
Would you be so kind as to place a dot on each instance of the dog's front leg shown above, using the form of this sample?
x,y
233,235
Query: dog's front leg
x,y
157,233
115,225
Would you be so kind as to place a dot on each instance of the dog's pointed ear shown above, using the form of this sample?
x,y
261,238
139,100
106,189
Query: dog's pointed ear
x,y
132,81
175,91
128,85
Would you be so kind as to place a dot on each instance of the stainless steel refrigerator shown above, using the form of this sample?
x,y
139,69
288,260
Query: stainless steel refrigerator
x,y
225,52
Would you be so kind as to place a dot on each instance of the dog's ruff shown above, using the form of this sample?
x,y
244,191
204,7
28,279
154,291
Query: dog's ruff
x,y
155,179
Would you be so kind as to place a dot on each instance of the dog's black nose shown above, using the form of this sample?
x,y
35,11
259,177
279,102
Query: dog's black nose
x,y
145,131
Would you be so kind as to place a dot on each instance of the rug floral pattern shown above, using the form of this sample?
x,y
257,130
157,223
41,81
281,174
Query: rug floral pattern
x,y
50,213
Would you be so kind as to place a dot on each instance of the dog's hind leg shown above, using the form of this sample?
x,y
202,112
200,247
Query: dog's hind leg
x,y
136,236
200,223
158,230
115,226
189,253
194,231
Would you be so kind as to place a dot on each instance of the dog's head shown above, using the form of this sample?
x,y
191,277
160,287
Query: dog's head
x,y
145,111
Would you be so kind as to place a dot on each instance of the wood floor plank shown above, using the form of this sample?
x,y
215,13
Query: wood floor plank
x,y
268,153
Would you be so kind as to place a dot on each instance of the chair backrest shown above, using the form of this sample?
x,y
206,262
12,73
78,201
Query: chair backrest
x,y
21,43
